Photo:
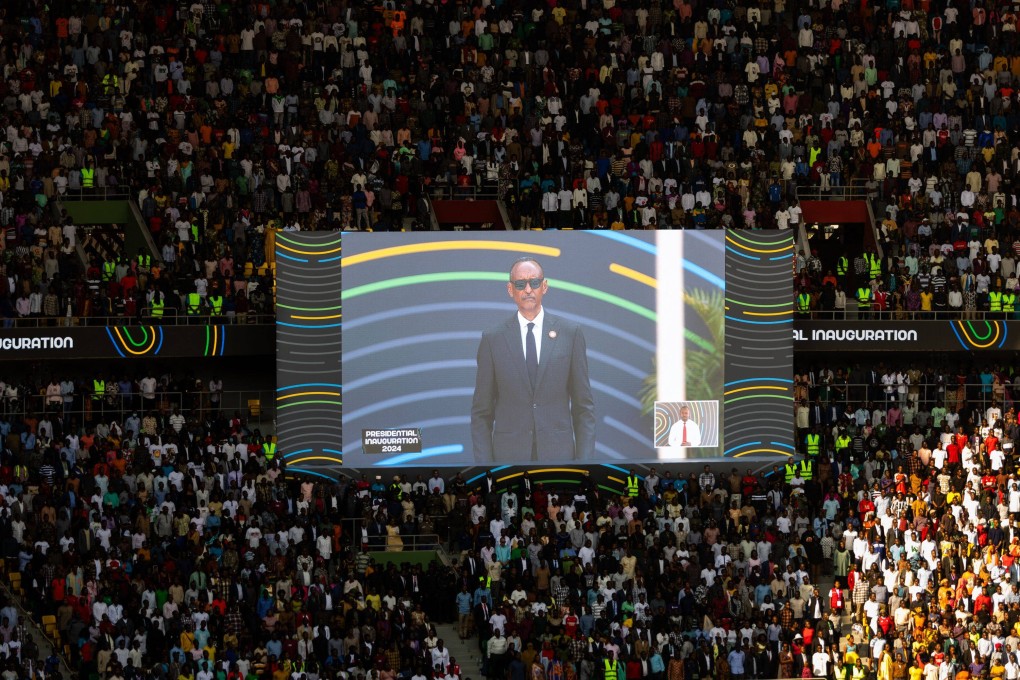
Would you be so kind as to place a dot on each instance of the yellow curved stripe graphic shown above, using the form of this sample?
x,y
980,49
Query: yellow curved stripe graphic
x,y
758,250
307,394
438,246
634,275
306,252
750,451
973,342
317,318
758,387
789,311
126,346
308,458
531,472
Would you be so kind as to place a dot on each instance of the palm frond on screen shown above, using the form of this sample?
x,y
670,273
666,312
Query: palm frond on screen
x,y
704,367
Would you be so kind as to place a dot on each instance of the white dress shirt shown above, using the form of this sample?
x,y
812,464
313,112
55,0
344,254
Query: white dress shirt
x,y
538,321
676,433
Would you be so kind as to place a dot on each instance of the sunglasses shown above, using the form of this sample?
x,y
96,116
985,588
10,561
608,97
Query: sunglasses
x,y
521,284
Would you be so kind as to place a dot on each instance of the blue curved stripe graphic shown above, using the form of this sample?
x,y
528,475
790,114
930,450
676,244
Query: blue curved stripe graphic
x,y
783,445
308,327
332,259
623,470
426,309
482,474
649,248
689,266
112,340
160,345
951,325
781,380
603,358
627,430
303,471
407,399
424,425
410,368
613,392
411,340
1005,332
426,453
296,453
759,323
460,307
740,254
300,385
612,453
699,235
290,257
339,453
741,446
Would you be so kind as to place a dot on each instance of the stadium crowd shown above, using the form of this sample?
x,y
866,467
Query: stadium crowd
x,y
183,551
177,548
232,120
959,271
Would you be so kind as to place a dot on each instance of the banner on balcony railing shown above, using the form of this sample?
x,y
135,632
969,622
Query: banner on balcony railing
x,y
924,336
132,342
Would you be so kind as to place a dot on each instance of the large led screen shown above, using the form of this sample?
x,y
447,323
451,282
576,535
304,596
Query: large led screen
x,y
464,349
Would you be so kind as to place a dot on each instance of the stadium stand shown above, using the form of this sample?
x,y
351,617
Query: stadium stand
x,y
182,553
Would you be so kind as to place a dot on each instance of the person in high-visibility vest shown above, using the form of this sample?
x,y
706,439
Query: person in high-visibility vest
x,y
109,270
611,669
874,265
98,396
842,264
158,304
1008,303
813,444
215,304
995,301
806,469
144,261
88,177
804,304
843,446
789,471
863,302
633,486
194,304
269,450
110,84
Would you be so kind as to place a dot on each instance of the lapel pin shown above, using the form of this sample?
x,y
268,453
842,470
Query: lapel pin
x,y
552,334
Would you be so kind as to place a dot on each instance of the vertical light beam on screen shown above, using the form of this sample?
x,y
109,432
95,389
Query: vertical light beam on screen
x,y
670,343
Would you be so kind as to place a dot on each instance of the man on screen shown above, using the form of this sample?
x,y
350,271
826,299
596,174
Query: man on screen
x,y
532,397
685,432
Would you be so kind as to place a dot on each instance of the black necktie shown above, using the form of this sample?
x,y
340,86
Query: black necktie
x,y
531,354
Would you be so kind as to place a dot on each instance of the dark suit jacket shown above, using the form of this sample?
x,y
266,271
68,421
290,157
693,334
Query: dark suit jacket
x,y
507,414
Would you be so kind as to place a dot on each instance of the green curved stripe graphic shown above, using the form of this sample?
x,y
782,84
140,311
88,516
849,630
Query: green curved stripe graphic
x,y
127,334
332,308
786,241
444,277
758,396
755,305
500,277
310,246
309,401
988,330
